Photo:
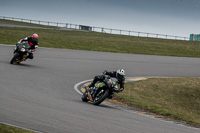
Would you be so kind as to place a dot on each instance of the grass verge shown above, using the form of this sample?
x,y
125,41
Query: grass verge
x,y
177,98
102,42
9,129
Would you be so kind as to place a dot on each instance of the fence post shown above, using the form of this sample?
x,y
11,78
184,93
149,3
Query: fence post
x,y
110,31
138,34
57,24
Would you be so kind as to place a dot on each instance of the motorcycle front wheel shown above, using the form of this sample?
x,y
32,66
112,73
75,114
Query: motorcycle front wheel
x,y
100,97
14,58
84,97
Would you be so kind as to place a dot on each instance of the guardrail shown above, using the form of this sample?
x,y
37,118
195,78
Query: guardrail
x,y
97,29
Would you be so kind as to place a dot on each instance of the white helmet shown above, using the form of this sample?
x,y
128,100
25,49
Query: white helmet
x,y
120,73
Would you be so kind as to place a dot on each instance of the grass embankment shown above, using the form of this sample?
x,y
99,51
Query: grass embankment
x,y
10,129
177,98
103,42
3,21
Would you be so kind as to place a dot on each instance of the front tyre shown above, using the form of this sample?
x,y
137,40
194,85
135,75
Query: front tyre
x,y
84,97
14,58
100,97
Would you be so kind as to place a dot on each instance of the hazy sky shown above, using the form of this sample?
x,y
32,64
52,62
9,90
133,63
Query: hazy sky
x,y
172,17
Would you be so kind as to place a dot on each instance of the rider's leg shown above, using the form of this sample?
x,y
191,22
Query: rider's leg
x,y
30,56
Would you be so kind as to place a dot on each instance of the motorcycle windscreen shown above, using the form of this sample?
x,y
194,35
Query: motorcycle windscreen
x,y
24,45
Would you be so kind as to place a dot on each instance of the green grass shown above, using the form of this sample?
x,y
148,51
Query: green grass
x,y
10,129
177,98
103,42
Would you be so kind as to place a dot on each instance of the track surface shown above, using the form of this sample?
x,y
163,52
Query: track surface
x,y
39,93
20,26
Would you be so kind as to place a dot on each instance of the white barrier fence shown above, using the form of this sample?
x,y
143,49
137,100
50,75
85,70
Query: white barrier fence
x,y
97,29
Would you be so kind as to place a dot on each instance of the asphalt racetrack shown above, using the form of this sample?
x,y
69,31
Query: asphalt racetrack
x,y
39,94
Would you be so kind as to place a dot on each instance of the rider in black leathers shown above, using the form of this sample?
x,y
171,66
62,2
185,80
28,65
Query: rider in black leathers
x,y
119,74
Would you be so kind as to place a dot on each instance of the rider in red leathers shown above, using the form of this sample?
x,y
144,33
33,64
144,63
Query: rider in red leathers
x,y
33,42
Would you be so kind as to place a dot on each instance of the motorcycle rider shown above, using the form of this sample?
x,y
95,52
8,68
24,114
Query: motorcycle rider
x,y
33,42
119,74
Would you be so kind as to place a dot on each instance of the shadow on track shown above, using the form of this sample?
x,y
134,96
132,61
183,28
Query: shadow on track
x,y
24,65
102,105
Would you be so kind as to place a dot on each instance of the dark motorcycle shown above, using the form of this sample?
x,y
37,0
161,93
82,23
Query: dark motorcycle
x,y
101,91
21,53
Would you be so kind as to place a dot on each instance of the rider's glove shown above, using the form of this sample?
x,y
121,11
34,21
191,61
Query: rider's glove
x,y
31,50
104,72
36,46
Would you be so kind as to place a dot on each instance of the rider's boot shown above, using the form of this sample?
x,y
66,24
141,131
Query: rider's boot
x,y
30,56
91,87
